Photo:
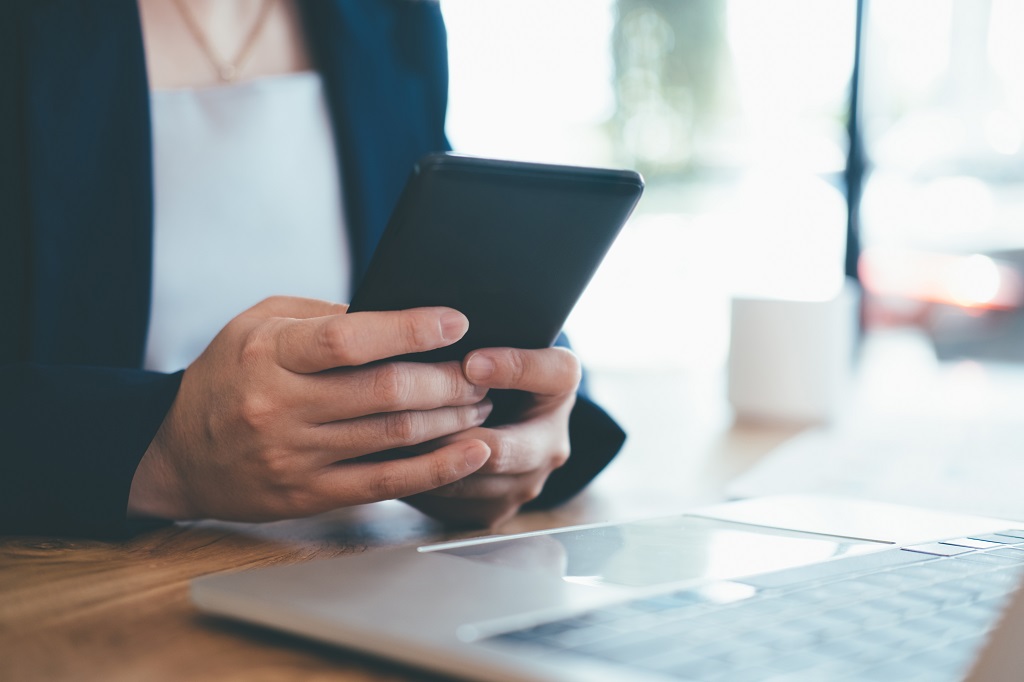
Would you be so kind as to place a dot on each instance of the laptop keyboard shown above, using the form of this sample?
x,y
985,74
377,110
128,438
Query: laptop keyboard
x,y
917,613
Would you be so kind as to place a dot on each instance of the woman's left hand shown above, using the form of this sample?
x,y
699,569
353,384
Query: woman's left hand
x,y
523,453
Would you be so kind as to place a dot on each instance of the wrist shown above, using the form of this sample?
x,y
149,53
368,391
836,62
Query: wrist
x,y
155,492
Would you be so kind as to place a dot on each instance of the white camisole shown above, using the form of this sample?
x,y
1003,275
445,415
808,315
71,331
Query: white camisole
x,y
248,205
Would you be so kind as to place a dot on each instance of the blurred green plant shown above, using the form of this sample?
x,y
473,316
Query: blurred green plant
x,y
671,75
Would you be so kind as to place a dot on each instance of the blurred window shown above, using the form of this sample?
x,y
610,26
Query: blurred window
x,y
942,214
735,111
944,121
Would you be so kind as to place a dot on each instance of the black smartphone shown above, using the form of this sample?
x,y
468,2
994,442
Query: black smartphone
x,y
511,245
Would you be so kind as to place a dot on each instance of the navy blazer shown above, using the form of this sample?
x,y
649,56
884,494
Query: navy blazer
x,y
76,411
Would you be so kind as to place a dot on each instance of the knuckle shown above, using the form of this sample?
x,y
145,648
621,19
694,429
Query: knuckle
x,y
516,366
503,452
276,467
268,305
455,489
256,347
336,341
456,386
416,328
275,505
560,456
492,515
390,386
299,501
466,417
574,370
401,427
275,302
531,492
389,484
440,473
256,411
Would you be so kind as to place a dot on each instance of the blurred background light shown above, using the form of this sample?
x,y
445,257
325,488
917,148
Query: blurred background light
x,y
736,111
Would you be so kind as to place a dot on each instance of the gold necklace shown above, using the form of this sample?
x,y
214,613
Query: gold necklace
x,y
227,70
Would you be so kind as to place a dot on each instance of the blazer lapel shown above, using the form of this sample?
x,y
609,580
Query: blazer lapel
x,y
90,182
385,69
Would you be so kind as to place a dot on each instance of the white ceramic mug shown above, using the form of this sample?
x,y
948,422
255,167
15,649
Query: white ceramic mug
x,y
791,360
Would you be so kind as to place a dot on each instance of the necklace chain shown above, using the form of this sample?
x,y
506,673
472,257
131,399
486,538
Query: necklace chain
x,y
227,70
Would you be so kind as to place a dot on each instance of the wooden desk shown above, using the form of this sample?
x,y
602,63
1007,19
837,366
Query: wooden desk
x,y
87,610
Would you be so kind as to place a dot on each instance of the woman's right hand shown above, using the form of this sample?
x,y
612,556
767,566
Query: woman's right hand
x,y
271,419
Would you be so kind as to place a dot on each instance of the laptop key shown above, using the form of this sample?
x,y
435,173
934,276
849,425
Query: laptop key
x,y
989,559
1012,532
798,661
637,651
790,641
799,626
1000,539
864,616
743,656
950,595
891,581
582,636
832,625
688,632
834,569
756,637
698,669
753,674
549,629
942,569
901,670
909,606
652,604
1008,552
684,664
938,549
973,543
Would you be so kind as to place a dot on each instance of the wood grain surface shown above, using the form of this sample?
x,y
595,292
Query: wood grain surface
x,y
80,609
88,610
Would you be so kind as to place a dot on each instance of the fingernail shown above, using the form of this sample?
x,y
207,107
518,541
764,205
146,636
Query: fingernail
x,y
476,453
453,326
483,409
479,367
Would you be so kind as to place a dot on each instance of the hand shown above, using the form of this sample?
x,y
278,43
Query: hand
x,y
270,418
524,453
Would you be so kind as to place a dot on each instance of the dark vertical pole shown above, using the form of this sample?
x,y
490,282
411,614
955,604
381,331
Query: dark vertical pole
x,y
855,157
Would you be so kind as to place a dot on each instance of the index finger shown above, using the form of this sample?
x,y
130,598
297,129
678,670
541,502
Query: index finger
x,y
362,482
546,371
321,343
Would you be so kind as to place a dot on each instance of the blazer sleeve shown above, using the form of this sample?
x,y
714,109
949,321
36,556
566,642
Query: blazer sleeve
x,y
72,439
594,440
71,436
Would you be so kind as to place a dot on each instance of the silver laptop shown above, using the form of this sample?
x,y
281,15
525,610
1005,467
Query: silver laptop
x,y
780,588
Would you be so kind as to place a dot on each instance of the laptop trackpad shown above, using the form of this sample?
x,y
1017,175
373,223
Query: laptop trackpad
x,y
657,551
